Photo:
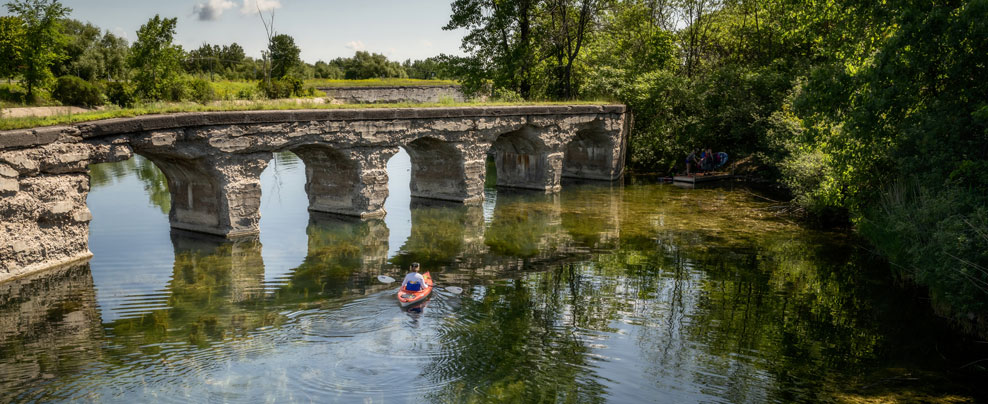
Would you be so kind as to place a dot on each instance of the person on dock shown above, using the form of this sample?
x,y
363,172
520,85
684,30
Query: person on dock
x,y
692,160
414,280
708,161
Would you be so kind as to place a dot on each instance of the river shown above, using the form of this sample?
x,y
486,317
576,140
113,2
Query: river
x,y
624,293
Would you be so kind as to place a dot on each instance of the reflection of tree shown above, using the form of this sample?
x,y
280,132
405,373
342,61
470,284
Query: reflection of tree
x,y
342,253
211,279
155,183
439,233
515,344
590,214
520,223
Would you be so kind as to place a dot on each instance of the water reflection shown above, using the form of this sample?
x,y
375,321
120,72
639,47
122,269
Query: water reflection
x,y
601,293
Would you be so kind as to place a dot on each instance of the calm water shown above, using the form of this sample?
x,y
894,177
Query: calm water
x,y
603,293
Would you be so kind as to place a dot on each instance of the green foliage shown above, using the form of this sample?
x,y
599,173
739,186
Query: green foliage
x,y
506,95
44,40
121,94
366,65
157,60
938,237
323,70
72,90
201,91
12,42
282,88
284,55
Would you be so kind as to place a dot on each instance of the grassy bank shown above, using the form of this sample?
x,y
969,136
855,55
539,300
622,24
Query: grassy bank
x,y
165,108
13,95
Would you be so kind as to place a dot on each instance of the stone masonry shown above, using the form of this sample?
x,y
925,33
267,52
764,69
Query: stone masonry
x,y
386,94
213,162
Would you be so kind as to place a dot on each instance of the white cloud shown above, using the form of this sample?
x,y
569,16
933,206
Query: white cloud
x,y
251,6
211,9
120,32
356,45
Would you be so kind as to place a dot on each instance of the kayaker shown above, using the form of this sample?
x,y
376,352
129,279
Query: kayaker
x,y
413,281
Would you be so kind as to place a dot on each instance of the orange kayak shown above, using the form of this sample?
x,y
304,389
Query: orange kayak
x,y
408,298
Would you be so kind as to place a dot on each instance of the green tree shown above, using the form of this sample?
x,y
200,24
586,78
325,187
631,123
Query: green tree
x,y
155,58
499,41
284,55
232,56
81,38
366,65
44,40
12,43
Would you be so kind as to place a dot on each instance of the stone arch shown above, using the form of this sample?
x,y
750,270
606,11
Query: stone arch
x,y
332,178
438,170
524,161
218,194
590,155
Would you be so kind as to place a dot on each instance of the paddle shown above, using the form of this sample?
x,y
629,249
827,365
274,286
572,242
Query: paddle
x,y
385,279
451,289
454,290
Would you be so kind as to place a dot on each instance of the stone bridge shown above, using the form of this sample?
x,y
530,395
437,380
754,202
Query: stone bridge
x,y
213,162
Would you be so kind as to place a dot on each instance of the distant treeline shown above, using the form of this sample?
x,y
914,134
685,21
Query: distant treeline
x,y
55,57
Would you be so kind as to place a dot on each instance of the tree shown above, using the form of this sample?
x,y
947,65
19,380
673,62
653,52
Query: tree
x,y
284,55
11,45
568,25
203,59
499,40
80,38
44,40
232,56
157,61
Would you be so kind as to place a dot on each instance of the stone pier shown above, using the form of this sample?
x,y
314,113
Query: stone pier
x,y
213,162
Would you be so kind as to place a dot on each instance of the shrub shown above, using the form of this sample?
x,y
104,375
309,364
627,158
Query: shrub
x,y
71,90
247,93
176,91
505,95
121,94
282,88
201,91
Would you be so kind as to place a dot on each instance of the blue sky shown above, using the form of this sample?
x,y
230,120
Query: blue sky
x,y
324,30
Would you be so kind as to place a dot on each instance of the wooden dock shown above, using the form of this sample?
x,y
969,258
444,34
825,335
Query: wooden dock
x,y
695,179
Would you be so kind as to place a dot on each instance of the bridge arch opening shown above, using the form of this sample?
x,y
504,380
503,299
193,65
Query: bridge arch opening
x,y
590,155
129,197
522,160
332,179
437,170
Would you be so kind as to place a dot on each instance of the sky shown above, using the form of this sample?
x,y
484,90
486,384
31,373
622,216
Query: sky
x,y
327,29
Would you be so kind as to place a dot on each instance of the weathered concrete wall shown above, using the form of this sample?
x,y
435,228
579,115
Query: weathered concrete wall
x,y
416,94
213,163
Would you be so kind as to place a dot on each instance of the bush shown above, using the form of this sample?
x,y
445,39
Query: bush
x,y
282,88
71,90
201,91
506,95
247,93
121,94
176,91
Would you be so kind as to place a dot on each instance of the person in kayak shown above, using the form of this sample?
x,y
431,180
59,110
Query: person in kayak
x,y
414,281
